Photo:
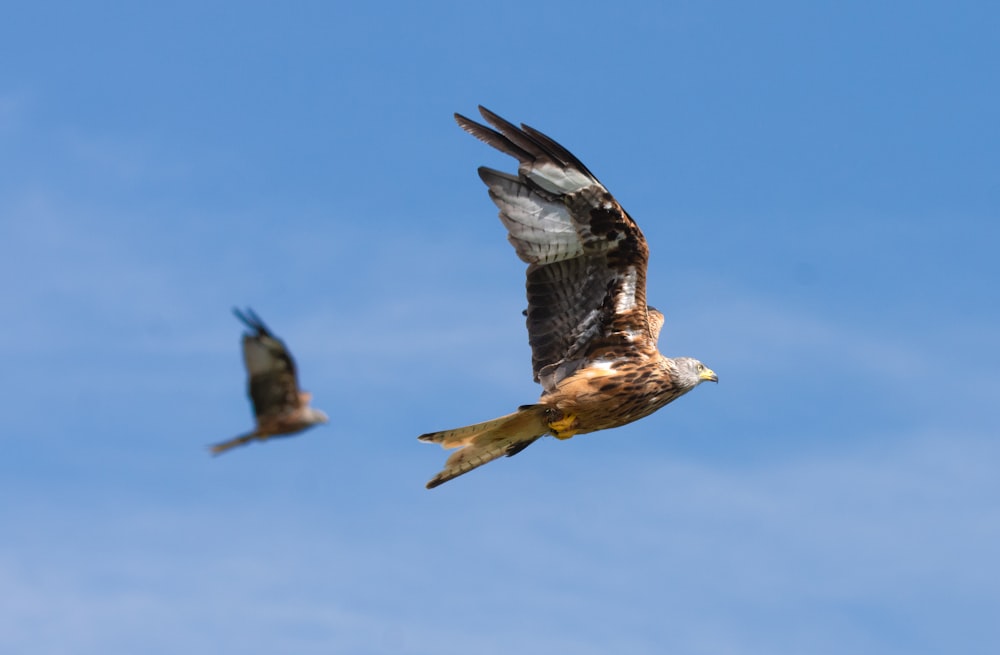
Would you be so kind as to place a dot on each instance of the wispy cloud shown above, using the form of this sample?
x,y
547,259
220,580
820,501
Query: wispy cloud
x,y
829,551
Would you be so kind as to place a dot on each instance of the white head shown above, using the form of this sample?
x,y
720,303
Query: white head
x,y
315,416
691,372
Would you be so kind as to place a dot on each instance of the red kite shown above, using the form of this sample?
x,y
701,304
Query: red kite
x,y
281,408
593,338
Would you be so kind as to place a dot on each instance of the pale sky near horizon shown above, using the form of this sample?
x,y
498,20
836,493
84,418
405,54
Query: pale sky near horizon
x,y
820,189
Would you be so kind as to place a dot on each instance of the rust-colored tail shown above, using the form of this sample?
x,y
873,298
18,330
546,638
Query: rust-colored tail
x,y
241,440
485,442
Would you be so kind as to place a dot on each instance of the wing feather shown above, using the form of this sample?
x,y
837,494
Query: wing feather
x,y
541,231
272,380
586,277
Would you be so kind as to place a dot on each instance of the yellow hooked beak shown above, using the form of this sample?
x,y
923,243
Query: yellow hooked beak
x,y
708,375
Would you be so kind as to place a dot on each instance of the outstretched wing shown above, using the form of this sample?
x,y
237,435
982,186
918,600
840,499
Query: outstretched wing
x,y
273,386
586,256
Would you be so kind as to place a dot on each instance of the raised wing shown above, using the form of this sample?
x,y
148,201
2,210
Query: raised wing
x,y
273,386
586,278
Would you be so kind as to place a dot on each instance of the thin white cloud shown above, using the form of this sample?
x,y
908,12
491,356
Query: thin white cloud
x,y
826,552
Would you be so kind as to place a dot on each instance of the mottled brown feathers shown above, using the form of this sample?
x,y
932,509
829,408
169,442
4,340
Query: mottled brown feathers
x,y
593,339
272,381
587,257
280,407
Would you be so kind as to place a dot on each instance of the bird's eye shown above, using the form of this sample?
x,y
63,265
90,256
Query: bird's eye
x,y
701,367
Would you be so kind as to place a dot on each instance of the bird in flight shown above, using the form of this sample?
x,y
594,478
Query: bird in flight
x,y
280,407
593,337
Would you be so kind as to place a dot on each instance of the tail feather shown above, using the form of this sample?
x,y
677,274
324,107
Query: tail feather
x,y
241,440
487,441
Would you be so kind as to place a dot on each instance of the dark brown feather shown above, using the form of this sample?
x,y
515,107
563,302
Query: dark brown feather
x,y
582,298
272,380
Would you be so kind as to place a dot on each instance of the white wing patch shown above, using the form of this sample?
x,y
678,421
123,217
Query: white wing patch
x,y
258,357
541,231
556,179
626,295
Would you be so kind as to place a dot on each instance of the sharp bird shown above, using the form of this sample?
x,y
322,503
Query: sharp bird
x,y
280,407
593,338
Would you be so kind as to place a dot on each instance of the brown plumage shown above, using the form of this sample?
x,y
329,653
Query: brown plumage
x,y
280,407
593,338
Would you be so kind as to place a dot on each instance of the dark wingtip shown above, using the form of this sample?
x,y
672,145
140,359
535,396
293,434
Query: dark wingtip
x,y
240,315
251,320
463,121
508,139
490,116
512,132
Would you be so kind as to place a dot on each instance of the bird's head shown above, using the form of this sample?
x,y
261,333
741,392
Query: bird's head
x,y
691,372
317,416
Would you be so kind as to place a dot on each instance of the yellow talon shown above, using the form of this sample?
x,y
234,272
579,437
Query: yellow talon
x,y
563,428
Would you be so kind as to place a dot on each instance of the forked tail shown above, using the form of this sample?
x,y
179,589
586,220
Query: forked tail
x,y
241,440
484,442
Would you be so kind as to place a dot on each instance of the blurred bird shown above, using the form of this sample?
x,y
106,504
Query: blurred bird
x,y
280,407
593,338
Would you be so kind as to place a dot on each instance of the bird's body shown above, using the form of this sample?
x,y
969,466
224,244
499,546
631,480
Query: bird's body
x,y
592,335
280,407
579,404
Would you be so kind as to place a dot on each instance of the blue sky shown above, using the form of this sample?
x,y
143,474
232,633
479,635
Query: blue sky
x,y
819,186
